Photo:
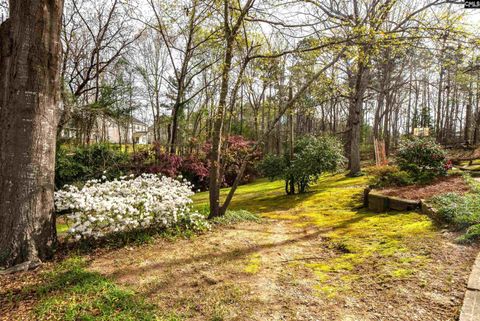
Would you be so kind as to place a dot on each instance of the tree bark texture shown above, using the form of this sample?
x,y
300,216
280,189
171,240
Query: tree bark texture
x,y
355,116
29,96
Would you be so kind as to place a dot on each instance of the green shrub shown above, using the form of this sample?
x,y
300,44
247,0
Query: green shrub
x,y
312,157
423,158
272,166
461,211
386,176
79,164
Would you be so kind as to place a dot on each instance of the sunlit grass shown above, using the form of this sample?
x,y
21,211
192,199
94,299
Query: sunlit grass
x,y
70,292
334,205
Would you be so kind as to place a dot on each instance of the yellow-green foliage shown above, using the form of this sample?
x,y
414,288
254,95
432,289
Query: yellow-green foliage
x,y
253,264
333,205
62,228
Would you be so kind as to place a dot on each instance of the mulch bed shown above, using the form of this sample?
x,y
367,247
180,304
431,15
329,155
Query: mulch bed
x,y
455,184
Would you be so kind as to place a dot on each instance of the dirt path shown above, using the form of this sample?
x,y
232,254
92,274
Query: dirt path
x,y
263,272
235,273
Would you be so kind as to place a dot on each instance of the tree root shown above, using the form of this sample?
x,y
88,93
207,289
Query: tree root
x,y
22,267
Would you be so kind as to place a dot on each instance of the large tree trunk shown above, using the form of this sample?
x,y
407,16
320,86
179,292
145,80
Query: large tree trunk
x,y
29,95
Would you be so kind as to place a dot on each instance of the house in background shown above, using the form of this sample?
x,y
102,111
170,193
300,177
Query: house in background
x,y
139,131
106,129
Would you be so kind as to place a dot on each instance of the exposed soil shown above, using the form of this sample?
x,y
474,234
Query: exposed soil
x,y
443,185
260,272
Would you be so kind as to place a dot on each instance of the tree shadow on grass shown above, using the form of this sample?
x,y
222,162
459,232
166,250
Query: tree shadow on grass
x,y
238,253
70,292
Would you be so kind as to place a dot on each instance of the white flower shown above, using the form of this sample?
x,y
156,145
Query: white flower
x,y
104,207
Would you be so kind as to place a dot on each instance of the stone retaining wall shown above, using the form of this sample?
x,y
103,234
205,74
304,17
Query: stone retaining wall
x,y
377,202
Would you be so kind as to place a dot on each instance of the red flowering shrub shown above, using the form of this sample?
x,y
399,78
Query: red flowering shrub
x,y
195,168
166,164
236,150
196,171
156,161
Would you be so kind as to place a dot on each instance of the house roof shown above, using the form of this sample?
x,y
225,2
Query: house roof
x,y
138,121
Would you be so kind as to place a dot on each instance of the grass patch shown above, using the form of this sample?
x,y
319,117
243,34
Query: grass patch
x,y
70,292
253,265
236,216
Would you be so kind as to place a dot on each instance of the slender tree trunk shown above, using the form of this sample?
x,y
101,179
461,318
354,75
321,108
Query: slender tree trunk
x,y
468,117
29,96
356,109
215,154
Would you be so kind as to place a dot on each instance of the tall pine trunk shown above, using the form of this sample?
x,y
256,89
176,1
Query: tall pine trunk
x,y
29,95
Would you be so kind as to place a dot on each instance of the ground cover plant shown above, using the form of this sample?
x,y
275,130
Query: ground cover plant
x,y
461,210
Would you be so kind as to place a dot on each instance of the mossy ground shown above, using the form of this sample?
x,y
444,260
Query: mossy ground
x,y
471,166
313,256
334,206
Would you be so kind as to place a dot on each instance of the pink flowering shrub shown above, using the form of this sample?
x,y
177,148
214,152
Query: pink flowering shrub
x,y
196,171
237,147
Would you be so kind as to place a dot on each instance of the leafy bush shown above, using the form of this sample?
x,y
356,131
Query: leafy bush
x,y
83,163
386,176
462,211
272,166
312,156
148,201
237,147
423,158
196,171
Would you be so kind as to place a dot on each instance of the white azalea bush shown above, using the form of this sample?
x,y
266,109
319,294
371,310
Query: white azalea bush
x,y
127,204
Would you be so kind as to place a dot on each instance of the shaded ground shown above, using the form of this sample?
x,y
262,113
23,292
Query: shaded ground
x,y
449,184
314,257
